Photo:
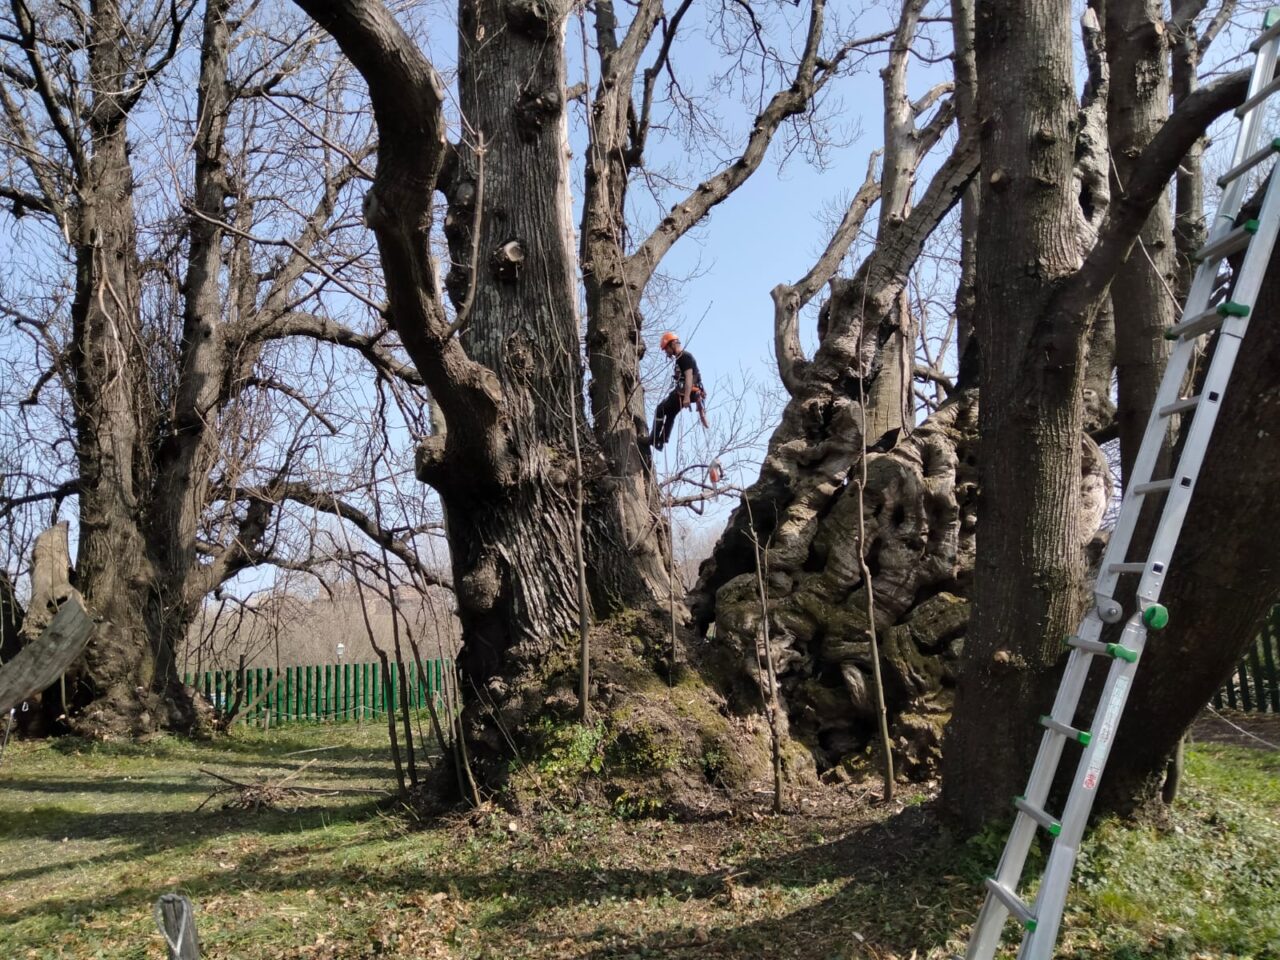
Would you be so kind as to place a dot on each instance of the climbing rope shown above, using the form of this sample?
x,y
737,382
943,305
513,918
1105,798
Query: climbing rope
x,y
7,728
1240,729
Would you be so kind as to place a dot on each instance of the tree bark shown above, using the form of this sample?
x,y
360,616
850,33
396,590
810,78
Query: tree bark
x,y
112,404
966,98
1030,539
1142,291
1189,231
626,541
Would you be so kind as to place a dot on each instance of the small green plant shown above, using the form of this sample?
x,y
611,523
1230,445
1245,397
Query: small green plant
x,y
714,762
570,749
632,806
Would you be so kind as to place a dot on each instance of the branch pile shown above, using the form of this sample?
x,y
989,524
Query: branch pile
x,y
263,792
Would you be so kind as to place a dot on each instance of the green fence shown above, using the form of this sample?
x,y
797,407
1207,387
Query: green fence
x,y
1255,685
330,691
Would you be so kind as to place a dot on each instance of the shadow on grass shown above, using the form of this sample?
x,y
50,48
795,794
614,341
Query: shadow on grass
x,y
902,893
910,887
262,748
375,771
174,832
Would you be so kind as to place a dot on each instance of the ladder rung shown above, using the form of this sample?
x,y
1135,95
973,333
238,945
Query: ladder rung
x,y
1126,567
1210,319
1201,323
1229,242
1051,826
1258,97
1267,35
1081,737
1248,163
1186,403
1155,486
1109,649
1012,902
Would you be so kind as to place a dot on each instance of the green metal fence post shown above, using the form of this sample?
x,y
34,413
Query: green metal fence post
x,y
1259,678
395,689
349,697
363,683
1271,653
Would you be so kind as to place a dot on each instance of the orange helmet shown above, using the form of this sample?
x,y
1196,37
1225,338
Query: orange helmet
x,y
666,340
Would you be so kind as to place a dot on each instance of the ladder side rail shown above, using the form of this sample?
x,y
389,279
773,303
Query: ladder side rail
x,y
1179,499
987,929
1247,140
1153,441
1216,381
1039,943
1180,357
1245,291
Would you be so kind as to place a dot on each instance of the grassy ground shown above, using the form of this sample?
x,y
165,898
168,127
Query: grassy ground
x,y
91,835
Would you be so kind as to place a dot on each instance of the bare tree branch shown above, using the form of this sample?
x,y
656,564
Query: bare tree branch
x,y
326,502
789,300
44,85
298,324
687,212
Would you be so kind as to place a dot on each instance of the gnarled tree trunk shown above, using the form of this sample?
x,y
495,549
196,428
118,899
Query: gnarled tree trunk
x,y
506,370
804,506
113,408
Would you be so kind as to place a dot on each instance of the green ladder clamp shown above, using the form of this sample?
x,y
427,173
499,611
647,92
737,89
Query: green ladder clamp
x,y
1041,918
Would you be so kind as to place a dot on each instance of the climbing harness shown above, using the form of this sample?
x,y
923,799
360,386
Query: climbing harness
x,y
1041,918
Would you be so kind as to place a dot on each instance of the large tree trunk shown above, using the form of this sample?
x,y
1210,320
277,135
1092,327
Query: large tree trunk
x,y
625,536
1030,538
187,449
506,371
513,554
112,404
804,505
1142,292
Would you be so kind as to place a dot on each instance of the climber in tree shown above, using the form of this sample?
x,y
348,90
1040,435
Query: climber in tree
x,y
687,390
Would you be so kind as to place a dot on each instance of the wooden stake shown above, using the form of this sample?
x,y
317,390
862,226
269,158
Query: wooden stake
x,y
176,918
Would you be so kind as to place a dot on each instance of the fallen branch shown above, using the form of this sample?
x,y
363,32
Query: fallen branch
x,y
273,794
45,659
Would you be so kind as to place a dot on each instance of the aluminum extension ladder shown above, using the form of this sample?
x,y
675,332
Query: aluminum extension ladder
x,y
1040,920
